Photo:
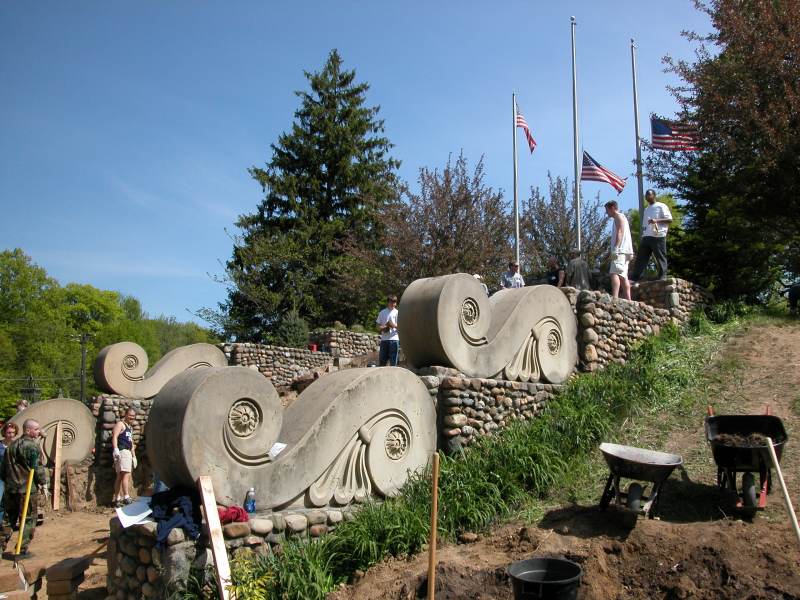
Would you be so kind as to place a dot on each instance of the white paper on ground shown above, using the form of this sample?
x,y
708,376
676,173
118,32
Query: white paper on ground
x,y
276,449
135,513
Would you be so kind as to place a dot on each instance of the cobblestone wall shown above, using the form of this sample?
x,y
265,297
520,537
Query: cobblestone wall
x,y
340,342
678,295
280,365
136,568
470,407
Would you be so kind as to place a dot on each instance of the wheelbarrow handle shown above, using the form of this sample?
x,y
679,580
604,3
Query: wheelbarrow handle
x,y
786,498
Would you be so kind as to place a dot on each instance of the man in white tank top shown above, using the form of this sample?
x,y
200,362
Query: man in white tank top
x,y
621,251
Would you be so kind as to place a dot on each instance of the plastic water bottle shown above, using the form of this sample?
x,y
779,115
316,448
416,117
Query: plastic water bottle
x,y
250,501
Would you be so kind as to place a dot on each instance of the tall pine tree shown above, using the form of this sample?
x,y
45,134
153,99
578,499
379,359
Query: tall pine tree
x,y
324,187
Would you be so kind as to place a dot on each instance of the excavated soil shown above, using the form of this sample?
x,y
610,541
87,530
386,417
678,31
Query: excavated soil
x,y
699,548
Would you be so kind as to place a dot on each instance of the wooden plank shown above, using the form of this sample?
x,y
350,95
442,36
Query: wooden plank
x,y
221,567
57,468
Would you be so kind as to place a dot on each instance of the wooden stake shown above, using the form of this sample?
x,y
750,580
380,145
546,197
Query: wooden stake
x,y
786,498
57,468
221,567
72,499
434,518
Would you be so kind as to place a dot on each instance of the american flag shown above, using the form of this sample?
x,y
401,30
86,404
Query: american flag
x,y
521,122
669,135
594,171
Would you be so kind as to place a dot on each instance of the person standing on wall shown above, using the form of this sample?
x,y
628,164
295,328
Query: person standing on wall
x,y
657,218
390,338
512,278
124,451
621,251
22,456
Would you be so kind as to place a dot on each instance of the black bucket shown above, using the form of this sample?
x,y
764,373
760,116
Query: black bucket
x,y
545,579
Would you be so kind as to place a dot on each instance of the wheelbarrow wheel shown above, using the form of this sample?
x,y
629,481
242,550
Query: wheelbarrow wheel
x,y
635,491
749,491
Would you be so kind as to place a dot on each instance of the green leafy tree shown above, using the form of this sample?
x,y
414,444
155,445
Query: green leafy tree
x,y
41,323
547,227
455,223
742,189
324,187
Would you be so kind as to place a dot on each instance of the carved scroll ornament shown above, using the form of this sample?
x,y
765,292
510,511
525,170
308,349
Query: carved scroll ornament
x,y
350,436
122,368
524,334
77,427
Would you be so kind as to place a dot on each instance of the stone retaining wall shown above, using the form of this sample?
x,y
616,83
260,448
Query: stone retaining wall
x,y
470,407
678,295
341,342
136,568
280,365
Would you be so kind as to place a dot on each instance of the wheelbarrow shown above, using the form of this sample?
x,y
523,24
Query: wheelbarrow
x,y
639,464
738,443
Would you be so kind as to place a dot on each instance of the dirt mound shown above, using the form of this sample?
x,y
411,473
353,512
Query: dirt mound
x,y
654,559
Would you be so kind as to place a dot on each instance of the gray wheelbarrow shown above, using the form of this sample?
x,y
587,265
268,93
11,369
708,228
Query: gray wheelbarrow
x,y
641,465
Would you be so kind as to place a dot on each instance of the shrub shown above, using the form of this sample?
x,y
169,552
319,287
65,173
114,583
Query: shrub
x,y
291,332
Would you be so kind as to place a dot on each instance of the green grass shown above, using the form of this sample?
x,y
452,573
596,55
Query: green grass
x,y
506,476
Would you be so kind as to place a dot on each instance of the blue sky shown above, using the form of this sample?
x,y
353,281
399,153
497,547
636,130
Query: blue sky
x,y
126,128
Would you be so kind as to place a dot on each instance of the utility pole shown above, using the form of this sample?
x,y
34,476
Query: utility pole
x,y
84,340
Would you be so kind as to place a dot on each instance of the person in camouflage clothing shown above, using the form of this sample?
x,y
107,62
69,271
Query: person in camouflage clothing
x,y
22,456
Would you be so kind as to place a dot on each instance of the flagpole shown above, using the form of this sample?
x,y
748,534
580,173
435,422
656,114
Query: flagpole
x,y
516,200
639,177
575,132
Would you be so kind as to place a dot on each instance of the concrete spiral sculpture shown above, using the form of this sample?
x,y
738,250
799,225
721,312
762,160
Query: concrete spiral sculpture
x,y
122,368
524,334
349,436
77,427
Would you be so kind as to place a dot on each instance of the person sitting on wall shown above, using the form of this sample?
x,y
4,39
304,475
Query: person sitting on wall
x,y
577,274
555,274
390,337
124,452
512,278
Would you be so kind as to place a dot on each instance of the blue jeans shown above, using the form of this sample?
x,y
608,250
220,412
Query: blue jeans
x,y
388,353
2,504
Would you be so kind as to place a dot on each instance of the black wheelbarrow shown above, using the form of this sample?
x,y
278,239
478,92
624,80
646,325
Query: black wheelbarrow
x,y
639,464
739,445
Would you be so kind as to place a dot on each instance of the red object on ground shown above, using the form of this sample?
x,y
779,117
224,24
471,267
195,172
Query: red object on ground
x,y
312,347
232,514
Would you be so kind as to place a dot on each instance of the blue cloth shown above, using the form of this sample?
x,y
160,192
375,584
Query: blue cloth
x,y
177,507
2,503
388,353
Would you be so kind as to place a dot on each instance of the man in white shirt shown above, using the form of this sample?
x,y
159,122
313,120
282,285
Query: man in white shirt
x,y
621,251
512,278
390,338
654,237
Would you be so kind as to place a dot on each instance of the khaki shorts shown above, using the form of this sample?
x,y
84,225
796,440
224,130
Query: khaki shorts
x,y
124,462
619,265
